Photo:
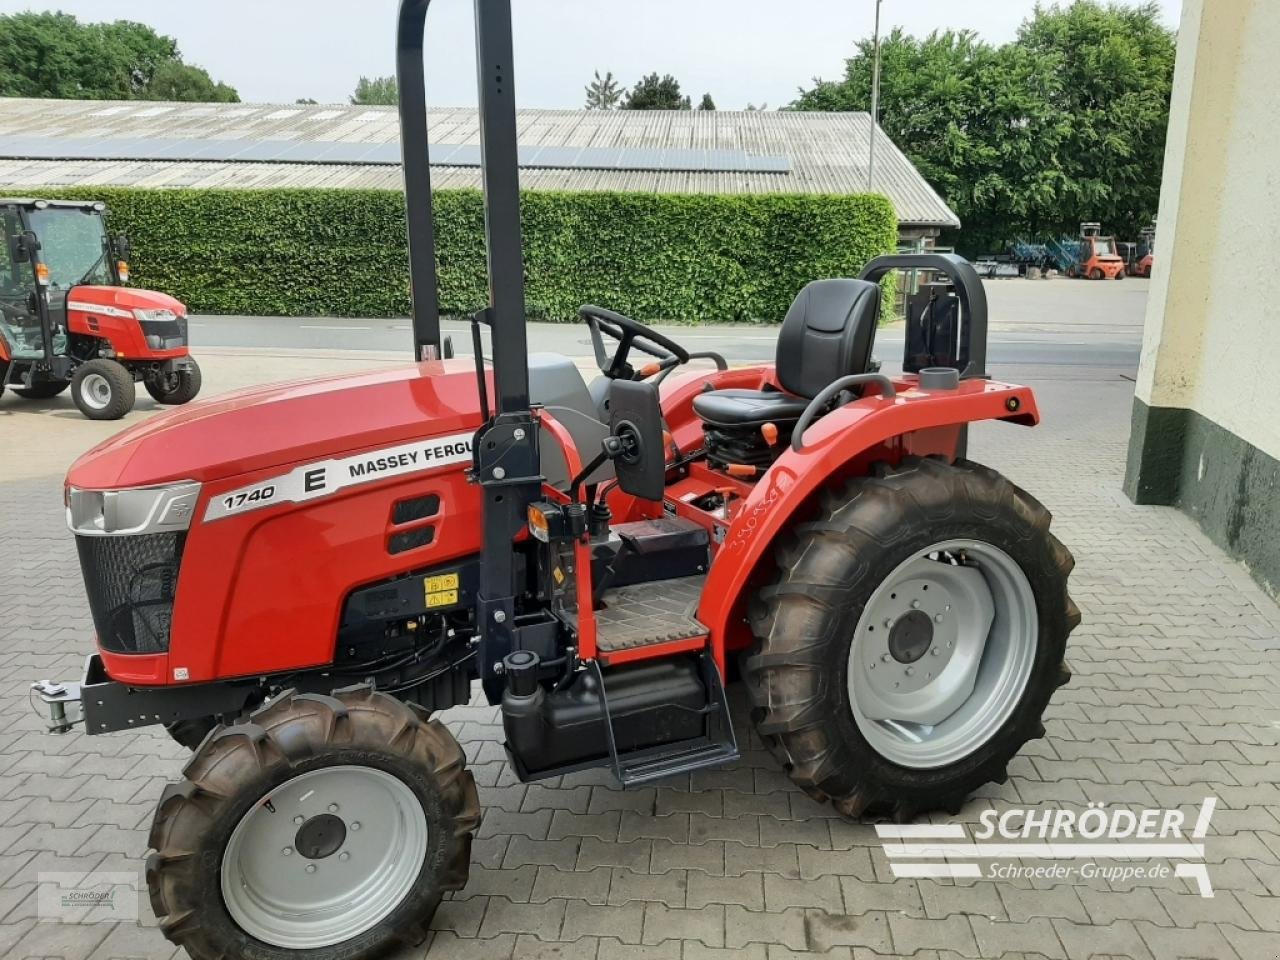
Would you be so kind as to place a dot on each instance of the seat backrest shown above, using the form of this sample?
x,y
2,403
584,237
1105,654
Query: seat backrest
x,y
827,334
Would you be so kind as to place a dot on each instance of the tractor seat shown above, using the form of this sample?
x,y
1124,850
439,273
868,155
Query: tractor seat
x,y
827,334
747,408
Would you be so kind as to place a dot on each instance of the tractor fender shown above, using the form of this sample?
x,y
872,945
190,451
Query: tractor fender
x,y
842,444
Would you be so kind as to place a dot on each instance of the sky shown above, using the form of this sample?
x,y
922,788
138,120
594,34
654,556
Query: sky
x,y
740,51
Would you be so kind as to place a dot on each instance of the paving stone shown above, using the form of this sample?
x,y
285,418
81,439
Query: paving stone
x,y
823,930
552,883
625,923
747,890
911,934
669,888
708,857
542,920
705,924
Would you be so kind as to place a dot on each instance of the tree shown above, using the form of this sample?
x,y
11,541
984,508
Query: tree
x,y
55,55
1064,124
307,100
376,91
752,108
656,93
181,81
706,103
603,93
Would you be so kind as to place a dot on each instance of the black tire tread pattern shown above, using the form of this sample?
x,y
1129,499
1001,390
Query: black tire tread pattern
x,y
189,383
44,390
123,392
295,728
794,619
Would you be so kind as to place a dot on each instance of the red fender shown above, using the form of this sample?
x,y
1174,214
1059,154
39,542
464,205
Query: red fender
x,y
843,443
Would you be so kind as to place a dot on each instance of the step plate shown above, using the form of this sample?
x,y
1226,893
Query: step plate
x,y
648,613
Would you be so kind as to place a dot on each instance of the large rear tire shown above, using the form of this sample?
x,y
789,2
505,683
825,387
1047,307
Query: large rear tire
x,y
330,825
43,390
912,638
102,389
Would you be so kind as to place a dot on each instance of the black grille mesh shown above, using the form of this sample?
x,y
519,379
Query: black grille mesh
x,y
131,582
169,334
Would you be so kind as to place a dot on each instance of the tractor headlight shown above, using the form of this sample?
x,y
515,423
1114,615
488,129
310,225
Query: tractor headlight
x,y
160,315
101,513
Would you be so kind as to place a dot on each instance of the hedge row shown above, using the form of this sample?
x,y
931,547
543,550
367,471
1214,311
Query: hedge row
x,y
342,252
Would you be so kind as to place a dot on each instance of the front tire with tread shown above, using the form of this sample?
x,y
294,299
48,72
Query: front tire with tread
x,y
238,767
804,625
119,382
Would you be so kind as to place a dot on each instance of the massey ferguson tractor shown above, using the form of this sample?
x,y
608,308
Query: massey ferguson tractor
x,y
68,320
300,578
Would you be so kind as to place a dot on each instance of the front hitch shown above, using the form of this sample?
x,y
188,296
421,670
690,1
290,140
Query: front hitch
x,y
62,698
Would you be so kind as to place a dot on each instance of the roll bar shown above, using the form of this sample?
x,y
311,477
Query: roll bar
x,y
973,298
500,179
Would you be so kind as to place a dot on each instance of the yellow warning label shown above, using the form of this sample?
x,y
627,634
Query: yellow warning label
x,y
445,581
558,574
444,598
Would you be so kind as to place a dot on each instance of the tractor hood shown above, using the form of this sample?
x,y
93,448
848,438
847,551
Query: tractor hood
x,y
126,299
285,423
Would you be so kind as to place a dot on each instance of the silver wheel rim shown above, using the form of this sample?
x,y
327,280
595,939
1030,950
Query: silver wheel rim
x,y
292,877
942,653
95,390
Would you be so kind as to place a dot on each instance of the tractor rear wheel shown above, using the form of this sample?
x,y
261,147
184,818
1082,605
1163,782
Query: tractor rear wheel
x,y
324,825
912,638
43,390
176,388
102,389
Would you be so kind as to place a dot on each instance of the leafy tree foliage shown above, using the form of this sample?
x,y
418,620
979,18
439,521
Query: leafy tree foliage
x,y
656,93
376,91
706,103
1066,123
603,93
55,55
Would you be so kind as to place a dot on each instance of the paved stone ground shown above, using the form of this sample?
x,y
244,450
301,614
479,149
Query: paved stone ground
x,y
1176,697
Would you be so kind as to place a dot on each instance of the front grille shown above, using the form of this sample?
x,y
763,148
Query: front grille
x,y
131,581
165,334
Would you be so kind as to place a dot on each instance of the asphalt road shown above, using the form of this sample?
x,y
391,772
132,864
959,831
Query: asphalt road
x,y
1041,323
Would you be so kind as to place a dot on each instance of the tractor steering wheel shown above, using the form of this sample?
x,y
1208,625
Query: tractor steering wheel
x,y
629,333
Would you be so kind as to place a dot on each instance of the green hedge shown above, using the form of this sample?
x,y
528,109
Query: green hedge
x,y
683,258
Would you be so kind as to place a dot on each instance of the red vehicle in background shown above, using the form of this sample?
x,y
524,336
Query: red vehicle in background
x,y
1096,256
68,320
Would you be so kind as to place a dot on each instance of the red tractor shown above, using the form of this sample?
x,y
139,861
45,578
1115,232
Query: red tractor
x,y
297,579
68,320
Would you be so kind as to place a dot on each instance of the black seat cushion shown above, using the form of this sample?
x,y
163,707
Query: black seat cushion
x,y
827,334
747,408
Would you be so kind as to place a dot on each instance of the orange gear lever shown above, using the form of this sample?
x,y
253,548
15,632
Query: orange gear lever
x,y
649,369
770,433
744,470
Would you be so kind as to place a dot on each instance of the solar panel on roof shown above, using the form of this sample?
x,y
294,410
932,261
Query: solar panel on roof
x,y
545,157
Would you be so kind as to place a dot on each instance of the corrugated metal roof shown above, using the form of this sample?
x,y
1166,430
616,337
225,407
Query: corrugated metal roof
x,y
827,151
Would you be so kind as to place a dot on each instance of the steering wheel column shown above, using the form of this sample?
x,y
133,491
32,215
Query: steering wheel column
x,y
629,334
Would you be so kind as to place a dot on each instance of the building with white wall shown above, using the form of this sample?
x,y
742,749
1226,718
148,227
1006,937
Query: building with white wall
x,y
1206,418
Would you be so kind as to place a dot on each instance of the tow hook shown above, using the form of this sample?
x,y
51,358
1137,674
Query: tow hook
x,y
63,701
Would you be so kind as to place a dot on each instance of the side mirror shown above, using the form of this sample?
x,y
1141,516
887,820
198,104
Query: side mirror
x,y
123,248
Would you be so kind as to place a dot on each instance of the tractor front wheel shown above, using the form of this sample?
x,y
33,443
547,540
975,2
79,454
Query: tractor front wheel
x,y
176,388
912,638
102,389
328,826
43,390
